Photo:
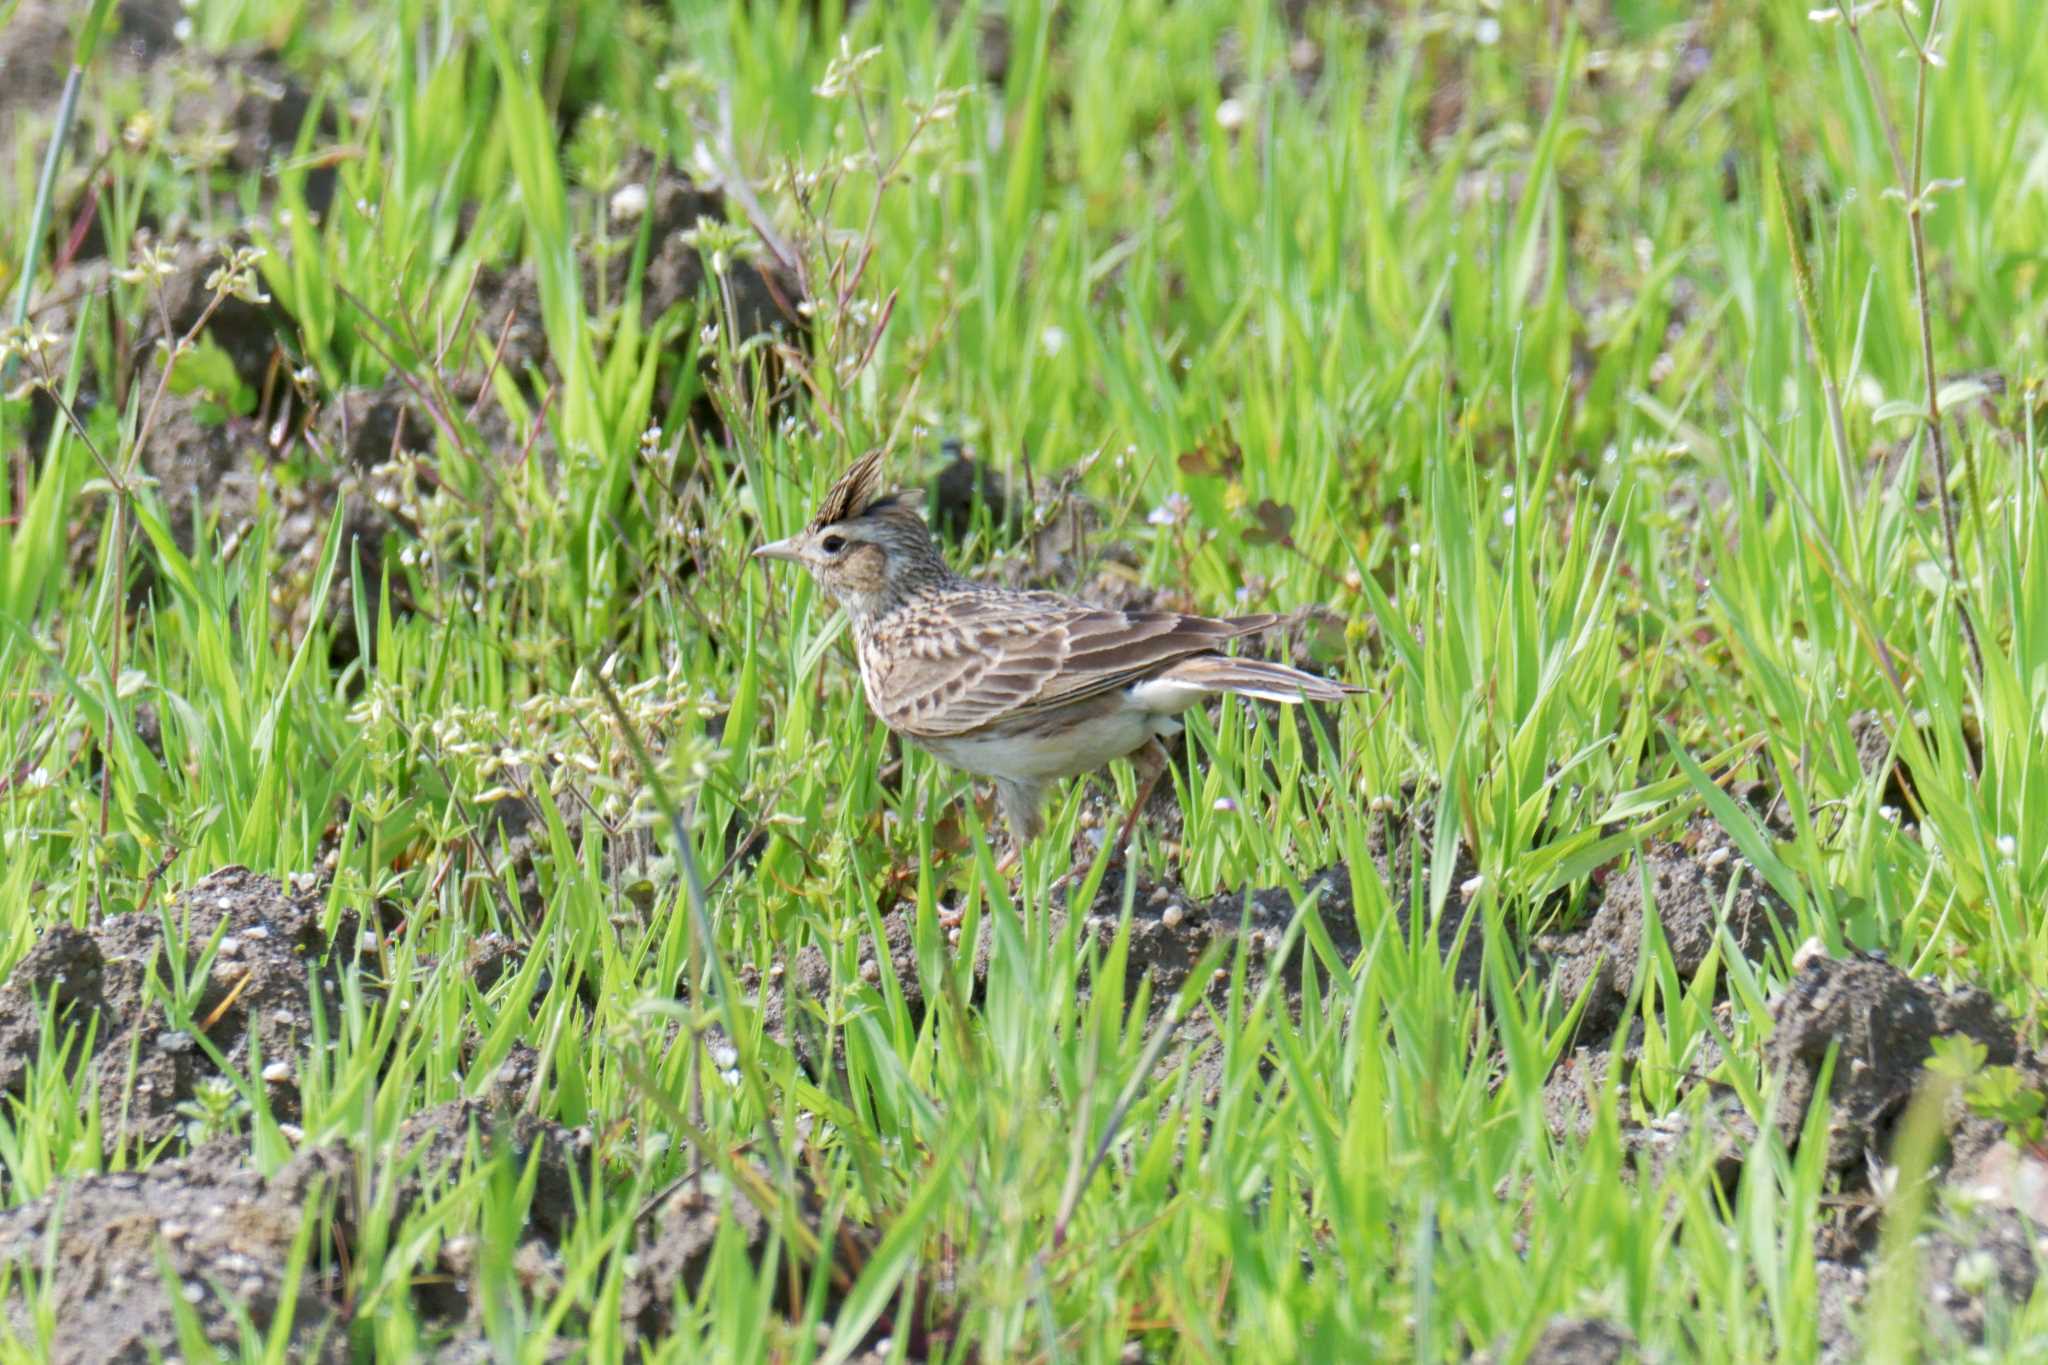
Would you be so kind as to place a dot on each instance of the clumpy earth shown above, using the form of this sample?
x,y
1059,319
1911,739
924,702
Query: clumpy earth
x,y
224,1221
215,459
146,1019
102,1258
91,1253
224,1218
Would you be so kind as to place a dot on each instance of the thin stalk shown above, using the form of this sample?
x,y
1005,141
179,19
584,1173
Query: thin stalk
x,y
38,223
46,189
1916,203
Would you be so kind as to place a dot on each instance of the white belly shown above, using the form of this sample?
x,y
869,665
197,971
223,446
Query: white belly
x,y
1083,746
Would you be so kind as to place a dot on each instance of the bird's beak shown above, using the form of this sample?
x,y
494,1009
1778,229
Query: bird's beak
x,y
779,549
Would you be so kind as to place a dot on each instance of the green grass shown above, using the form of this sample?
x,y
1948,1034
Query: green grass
x,y
1501,306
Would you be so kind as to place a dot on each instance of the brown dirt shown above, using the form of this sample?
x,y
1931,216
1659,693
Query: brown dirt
x,y
674,1238
219,473
34,59
764,297
1698,887
1170,931
243,101
205,472
266,107
36,55
227,1230
267,967
509,322
93,1253
1583,1341
1975,1265
1689,881
361,439
963,488
1882,1024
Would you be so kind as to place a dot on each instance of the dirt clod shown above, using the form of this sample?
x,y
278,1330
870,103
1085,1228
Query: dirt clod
x,y
1689,884
224,1230
1583,1341
207,473
266,968
438,1139
965,484
1169,932
1975,1265
364,428
1882,1024
675,1249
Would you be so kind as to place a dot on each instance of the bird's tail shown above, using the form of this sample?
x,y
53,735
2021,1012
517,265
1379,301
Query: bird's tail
x,y
1206,673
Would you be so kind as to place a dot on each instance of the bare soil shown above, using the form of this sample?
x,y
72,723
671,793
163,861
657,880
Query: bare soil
x,y
91,1250
110,986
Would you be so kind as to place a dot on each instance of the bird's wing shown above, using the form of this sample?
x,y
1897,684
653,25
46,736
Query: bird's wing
x,y
975,659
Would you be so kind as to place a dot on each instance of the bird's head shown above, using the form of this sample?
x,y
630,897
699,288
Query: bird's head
x,y
869,551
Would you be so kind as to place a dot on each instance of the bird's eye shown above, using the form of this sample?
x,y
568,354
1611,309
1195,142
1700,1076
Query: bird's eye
x,y
832,545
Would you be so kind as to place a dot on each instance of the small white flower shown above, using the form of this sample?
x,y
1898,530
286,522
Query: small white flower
x,y
629,203
1225,804
2008,846
1230,115
1175,511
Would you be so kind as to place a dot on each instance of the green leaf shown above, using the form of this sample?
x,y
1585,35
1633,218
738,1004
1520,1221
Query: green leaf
x,y
89,33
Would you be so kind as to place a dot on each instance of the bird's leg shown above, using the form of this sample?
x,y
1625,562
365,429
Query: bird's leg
x,y
1149,765
1019,802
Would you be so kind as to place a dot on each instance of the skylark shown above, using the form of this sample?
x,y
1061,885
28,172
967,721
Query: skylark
x,y
1020,687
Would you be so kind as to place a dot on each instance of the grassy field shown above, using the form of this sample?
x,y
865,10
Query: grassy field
x,y
1649,966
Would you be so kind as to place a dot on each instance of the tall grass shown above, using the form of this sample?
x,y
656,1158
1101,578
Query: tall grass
x,y
1583,368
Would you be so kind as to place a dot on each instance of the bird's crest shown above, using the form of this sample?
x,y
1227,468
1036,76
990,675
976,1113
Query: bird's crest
x,y
853,494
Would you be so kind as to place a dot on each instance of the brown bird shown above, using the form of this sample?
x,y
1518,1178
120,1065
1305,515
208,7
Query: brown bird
x,y
1020,687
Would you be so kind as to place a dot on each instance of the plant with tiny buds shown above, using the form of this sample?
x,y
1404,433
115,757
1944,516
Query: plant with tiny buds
x,y
216,1109
1917,194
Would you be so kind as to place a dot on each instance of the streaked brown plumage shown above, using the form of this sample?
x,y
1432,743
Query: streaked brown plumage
x,y
1021,687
